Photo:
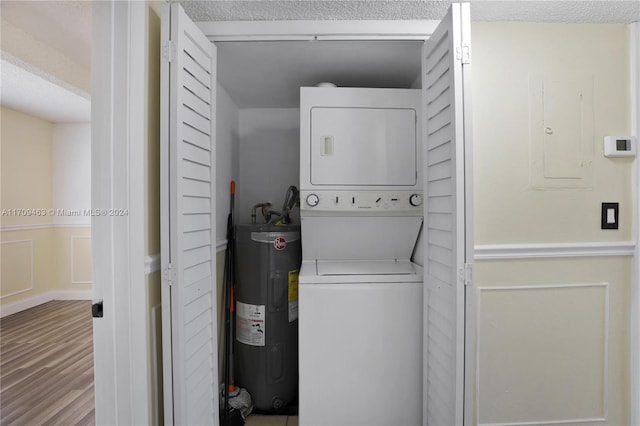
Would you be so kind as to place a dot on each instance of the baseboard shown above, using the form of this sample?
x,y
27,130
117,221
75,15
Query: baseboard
x,y
73,295
39,299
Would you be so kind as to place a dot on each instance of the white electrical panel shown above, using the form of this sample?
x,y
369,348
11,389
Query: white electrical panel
x,y
620,146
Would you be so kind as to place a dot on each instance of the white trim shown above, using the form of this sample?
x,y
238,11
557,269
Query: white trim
x,y
553,250
221,245
4,228
72,225
72,295
118,121
32,266
634,60
317,30
470,296
156,347
152,263
605,362
72,255
39,299
24,304
8,228
540,287
550,422
139,358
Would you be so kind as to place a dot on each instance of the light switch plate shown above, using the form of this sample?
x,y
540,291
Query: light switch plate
x,y
609,216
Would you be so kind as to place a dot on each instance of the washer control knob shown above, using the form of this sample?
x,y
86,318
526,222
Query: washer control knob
x,y
415,200
312,200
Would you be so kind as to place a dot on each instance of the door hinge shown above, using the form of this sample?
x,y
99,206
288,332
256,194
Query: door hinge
x,y
167,274
463,53
468,274
168,51
466,53
465,274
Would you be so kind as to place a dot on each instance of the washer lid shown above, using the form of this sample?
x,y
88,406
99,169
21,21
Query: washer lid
x,y
366,267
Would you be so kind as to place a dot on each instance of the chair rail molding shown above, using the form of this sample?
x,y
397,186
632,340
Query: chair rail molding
x,y
553,250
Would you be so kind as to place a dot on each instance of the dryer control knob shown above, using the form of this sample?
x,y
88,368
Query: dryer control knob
x,y
415,200
312,200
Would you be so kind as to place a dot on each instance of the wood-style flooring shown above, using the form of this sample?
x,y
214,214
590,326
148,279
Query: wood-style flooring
x,y
46,365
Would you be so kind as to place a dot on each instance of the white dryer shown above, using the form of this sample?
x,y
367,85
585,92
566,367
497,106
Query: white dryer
x,y
360,295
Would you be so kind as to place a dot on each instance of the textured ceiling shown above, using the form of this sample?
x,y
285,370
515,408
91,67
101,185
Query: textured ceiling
x,y
582,11
46,55
66,25
313,10
63,25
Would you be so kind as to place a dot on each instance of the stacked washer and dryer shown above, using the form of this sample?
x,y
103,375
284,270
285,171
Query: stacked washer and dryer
x,y
360,293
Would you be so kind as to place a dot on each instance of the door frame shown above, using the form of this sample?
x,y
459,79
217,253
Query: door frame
x,y
416,30
110,262
634,68
365,30
121,356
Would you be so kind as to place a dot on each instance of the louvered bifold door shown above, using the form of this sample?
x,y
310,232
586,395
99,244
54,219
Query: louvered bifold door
x,y
188,222
447,216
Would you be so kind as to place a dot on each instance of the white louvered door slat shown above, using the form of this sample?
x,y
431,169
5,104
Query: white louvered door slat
x,y
188,222
448,219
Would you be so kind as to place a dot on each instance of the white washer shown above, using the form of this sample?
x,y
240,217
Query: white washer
x,y
360,322
360,296
360,348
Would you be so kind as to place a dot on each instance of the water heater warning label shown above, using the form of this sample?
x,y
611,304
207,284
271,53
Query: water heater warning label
x,y
293,295
250,327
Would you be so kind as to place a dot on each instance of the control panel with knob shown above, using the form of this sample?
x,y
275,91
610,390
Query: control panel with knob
x,y
408,202
312,200
415,200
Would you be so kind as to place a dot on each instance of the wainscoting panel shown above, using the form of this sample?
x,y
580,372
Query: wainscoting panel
x,y
17,267
542,354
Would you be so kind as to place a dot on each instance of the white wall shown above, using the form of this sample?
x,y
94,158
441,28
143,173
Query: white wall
x,y
508,206
72,171
269,157
227,142
552,332
44,166
226,156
